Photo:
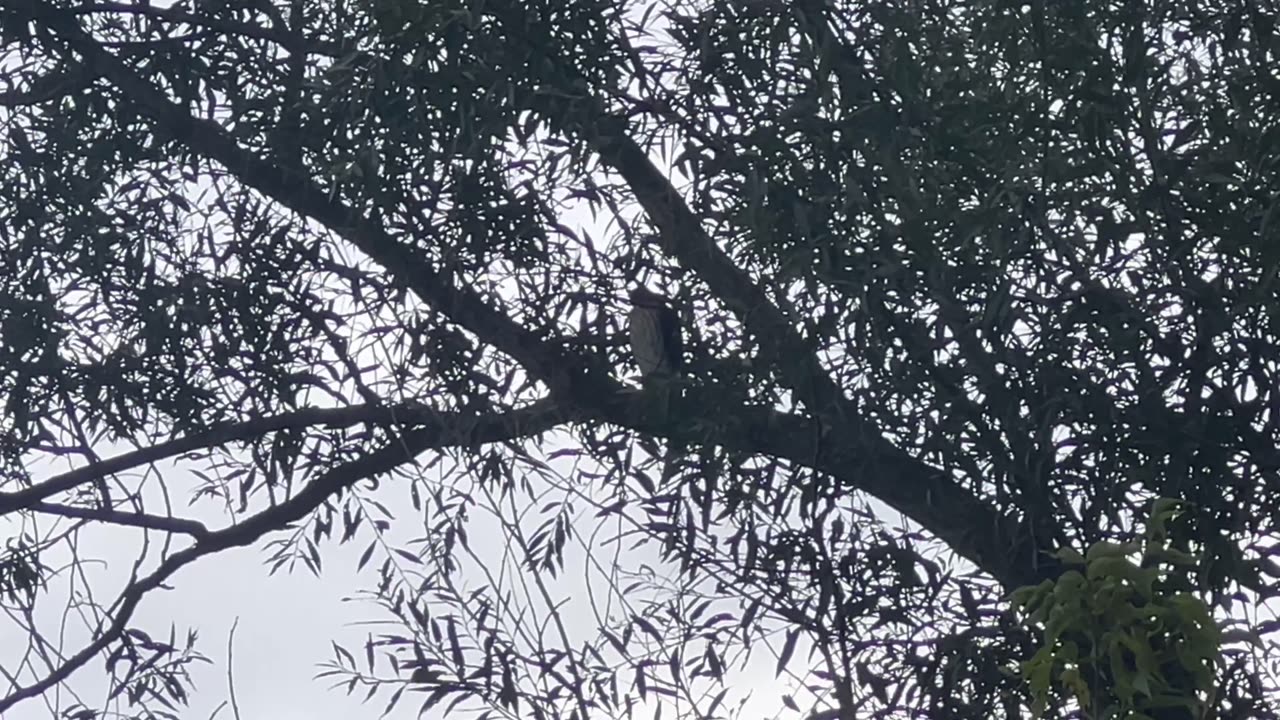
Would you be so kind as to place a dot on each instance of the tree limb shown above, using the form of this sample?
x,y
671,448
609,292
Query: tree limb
x,y
460,428
565,374
143,520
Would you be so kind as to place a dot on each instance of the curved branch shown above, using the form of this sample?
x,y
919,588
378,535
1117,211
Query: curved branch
x,y
461,429
683,237
999,544
565,374
1012,551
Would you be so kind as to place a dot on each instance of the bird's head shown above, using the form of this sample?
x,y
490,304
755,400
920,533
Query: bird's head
x,y
643,297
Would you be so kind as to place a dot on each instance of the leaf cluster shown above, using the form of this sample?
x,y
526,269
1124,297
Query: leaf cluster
x,y
1123,635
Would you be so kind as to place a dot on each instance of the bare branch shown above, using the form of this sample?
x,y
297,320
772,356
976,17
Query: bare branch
x,y
143,520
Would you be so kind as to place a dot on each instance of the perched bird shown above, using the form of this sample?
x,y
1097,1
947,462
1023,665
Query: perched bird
x,y
657,343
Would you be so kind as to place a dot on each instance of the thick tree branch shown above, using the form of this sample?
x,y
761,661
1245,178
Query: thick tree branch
x,y
756,430
565,374
683,238
998,544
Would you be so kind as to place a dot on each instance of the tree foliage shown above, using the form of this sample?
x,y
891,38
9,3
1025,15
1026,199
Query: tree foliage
x,y
1124,633
1005,270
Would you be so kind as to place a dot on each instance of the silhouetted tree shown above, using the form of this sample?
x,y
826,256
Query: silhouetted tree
x,y
1005,270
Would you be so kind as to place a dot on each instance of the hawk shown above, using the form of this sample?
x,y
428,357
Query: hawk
x,y
657,343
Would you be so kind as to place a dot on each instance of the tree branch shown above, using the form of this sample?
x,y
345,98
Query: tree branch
x,y
565,374
461,429
193,528
1001,545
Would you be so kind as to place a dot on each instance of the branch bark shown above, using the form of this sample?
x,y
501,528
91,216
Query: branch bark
x,y
564,374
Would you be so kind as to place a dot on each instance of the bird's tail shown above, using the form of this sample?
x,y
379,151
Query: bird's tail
x,y
668,394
